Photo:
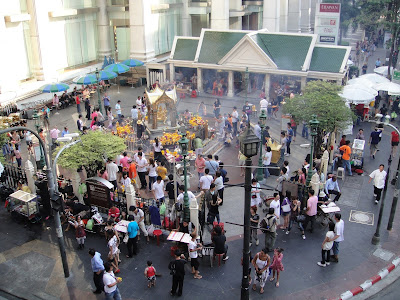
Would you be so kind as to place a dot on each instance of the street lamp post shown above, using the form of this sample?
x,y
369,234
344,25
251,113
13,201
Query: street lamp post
x,y
52,186
246,81
260,171
248,147
183,143
98,89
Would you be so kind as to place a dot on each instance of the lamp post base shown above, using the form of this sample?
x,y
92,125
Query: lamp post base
x,y
375,240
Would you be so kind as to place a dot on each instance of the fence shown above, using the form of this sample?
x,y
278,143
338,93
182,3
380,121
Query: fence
x,y
11,175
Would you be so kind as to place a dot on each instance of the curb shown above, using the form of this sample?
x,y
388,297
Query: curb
x,y
370,282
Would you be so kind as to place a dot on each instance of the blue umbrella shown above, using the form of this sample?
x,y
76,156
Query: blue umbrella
x,y
87,79
107,75
54,87
133,62
105,63
117,68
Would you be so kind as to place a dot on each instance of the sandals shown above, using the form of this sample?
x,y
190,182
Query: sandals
x,y
262,291
272,279
277,284
198,277
254,287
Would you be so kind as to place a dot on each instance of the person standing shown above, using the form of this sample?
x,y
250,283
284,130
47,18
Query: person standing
x,y
263,105
254,220
54,134
235,119
198,145
80,233
211,165
193,247
87,108
158,190
255,193
346,157
360,134
294,214
267,161
110,283
327,246
374,141
200,164
394,139
112,170
311,210
339,237
332,187
219,185
98,270
276,205
138,214
150,274
106,101
78,104
289,137
282,177
141,169
213,202
118,110
379,177
261,262
177,268
276,265
217,108
206,180
134,115
133,230
268,226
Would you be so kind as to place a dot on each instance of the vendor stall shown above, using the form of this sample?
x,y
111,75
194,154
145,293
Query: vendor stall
x,y
276,150
26,205
357,160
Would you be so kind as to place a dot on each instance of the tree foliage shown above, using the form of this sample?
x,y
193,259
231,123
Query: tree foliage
x,y
322,99
95,146
372,14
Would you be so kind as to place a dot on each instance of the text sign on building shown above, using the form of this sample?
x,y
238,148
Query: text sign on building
x,y
327,21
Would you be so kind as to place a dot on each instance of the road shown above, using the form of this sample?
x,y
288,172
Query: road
x,y
392,292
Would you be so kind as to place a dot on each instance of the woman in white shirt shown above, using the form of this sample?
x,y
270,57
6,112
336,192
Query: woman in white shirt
x,y
219,185
255,193
157,149
152,172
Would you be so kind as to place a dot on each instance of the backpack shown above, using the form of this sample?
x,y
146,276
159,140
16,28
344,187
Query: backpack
x,y
265,223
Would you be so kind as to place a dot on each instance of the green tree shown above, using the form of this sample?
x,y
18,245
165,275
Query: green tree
x,y
322,99
90,153
371,14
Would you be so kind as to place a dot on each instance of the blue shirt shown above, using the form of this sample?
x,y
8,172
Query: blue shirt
x,y
64,132
375,137
97,262
133,229
290,134
331,185
106,101
212,166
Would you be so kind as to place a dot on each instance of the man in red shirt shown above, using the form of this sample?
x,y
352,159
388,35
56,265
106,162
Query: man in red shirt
x,y
342,141
395,142
78,104
113,212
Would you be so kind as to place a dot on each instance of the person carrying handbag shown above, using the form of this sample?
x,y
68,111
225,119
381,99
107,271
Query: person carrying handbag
x,y
296,216
285,207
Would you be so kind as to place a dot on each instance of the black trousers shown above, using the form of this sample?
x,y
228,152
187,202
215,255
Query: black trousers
x,y
177,282
308,219
142,177
221,195
336,193
132,246
378,193
98,281
328,256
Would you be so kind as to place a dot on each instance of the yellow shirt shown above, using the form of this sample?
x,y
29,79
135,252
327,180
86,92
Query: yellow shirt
x,y
162,171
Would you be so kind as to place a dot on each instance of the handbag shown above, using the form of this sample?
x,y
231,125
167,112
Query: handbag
x,y
300,218
286,208
126,238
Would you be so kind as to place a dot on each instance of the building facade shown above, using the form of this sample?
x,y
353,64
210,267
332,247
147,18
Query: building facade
x,y
44,39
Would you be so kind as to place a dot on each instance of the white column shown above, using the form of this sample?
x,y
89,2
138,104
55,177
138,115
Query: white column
x,y
35,43
312,14
141,23
130,196
283,15
294,15
220,14
194,213
267,81
75,182
315,183
235,23
303,82
230,84
186,19
30,172
103,30
271,15
199,81
305,16
171,73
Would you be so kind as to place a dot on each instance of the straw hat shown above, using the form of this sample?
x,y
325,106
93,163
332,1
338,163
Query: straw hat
x,y
139,122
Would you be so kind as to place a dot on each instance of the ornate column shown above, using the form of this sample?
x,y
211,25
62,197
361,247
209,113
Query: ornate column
x,y
194,213
294,15
199,81
305,16
30,172
283,26
230,84
220,14
140,20
271,15
171,73
314,182
267,81
103,30
130,196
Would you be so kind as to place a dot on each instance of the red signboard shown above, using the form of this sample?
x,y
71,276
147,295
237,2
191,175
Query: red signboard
x,y
329,7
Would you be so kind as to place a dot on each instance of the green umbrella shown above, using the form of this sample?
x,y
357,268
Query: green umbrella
x,y
86,79
54,87
117,68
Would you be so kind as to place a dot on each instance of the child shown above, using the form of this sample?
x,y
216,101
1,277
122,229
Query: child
x,y
327,246
276,265
18,157
150,273
254,219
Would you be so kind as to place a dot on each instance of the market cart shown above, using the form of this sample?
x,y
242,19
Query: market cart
x,y
357,160
25,205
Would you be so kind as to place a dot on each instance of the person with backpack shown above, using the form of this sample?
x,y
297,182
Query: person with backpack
x,y
177,268
268,226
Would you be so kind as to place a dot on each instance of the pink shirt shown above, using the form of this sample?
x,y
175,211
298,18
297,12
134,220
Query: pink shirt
x,y
312,203
54,133
124,161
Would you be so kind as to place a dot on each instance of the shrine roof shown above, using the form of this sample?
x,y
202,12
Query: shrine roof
x,y
326,59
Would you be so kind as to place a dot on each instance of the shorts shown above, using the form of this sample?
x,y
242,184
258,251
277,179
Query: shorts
x,y
395,144
194,263
120,169
285,213
242,162
151,278
374,146
29,143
